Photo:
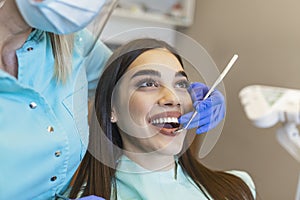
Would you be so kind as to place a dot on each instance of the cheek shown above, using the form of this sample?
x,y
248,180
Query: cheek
x,y
139,107
186,101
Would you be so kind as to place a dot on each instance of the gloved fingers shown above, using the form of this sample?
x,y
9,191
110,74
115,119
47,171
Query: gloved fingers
x,y
183,119
210,111
219,111
216,98
212,121
203,106
204,110
199,120
199,123
204,125
203,129
186,117
205,120
197,91
217,114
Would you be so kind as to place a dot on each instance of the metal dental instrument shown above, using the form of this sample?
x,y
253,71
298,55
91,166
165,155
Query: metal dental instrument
x,y
219,79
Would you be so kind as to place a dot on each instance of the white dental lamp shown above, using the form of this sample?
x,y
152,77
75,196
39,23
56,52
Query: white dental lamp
x,y
266,106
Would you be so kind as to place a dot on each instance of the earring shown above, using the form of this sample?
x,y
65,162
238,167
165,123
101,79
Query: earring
x,y
112,119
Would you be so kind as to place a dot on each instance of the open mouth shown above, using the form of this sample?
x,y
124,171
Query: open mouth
x,y
166,122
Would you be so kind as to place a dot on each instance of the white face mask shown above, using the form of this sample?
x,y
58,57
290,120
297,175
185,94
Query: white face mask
x,y
60,16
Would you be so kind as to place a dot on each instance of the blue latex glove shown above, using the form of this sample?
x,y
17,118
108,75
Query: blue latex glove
x,y
210,111
91,197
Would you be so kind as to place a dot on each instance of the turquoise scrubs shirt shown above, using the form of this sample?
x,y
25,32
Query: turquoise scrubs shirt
x,y
137,183
43,123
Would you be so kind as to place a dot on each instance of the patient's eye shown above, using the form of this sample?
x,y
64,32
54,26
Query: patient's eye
x,y
147,83
182,84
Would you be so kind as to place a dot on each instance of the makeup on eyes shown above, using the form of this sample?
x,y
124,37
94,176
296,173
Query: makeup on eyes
x,y
146,82
149,82
153,78
152,72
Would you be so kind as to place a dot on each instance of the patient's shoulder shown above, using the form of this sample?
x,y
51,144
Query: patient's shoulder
x,y
246,178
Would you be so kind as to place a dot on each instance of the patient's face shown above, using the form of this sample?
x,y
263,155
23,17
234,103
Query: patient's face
x,y
148,101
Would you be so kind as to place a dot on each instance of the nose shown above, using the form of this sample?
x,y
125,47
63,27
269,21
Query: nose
x,y
168,98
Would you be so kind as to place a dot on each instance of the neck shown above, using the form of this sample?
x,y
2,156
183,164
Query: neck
x,y
13,33
11,20
153,161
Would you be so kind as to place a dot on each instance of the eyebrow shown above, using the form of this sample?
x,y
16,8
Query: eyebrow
x,y
181,73
147,72
156,73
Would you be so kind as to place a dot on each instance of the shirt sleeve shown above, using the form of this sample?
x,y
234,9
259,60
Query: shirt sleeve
x,y
246,178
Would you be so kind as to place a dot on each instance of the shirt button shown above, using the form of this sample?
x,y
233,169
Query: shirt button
x,y
57,153
29,48
32,105
53,178
50,129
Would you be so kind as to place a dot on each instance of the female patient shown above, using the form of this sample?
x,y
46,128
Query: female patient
x,y
140,96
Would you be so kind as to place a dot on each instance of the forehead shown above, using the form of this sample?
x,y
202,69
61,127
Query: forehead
x,y
157,57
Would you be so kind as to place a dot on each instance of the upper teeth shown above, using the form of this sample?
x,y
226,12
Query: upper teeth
x,y
165,120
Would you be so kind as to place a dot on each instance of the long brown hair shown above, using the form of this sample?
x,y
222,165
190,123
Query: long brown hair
x,y
99,179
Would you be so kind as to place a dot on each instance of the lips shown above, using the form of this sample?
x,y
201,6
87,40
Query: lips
x,y
167,122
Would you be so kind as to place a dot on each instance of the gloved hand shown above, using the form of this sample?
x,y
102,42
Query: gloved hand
x,y
91,197
210,111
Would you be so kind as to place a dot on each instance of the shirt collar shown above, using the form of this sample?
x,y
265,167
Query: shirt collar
x,y
126,165
36,35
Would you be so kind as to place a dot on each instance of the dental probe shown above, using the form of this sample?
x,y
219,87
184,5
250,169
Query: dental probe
x,y
219,79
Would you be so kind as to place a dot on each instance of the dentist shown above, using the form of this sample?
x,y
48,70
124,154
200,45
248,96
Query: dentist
x,y
46,77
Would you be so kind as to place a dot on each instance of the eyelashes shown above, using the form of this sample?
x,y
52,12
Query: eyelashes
x,y
182,84
152,83
147,83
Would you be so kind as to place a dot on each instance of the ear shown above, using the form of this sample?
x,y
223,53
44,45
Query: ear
x,y
113,116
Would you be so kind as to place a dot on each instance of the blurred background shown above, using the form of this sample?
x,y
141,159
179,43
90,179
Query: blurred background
x,y
266,36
